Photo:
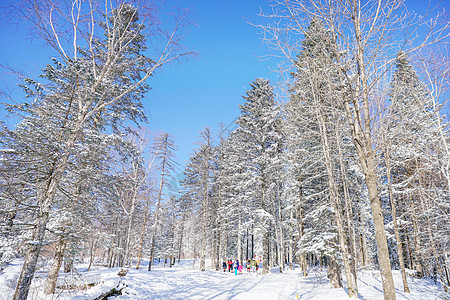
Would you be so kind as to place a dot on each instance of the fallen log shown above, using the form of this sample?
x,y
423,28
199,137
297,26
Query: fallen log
x,y
116,291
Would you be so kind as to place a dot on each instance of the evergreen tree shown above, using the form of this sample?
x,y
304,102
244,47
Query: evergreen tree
x,y
260,136
199,181
317,87
410,157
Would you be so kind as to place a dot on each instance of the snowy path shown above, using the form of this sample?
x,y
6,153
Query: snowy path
x,y
180,284
193,284
183,282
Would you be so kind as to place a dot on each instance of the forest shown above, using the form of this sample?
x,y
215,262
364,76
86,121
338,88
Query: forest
x,y
344,163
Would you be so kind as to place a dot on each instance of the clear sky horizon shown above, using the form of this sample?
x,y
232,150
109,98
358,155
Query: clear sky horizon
x,y
189,96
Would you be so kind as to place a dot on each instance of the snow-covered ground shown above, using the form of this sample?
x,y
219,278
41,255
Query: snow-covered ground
x,y
184,282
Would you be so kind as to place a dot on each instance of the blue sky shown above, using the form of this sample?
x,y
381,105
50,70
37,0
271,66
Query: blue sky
x,y
185,97
207,89
188,96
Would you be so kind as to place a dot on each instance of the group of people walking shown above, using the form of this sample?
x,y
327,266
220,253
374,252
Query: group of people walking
x,y
251,265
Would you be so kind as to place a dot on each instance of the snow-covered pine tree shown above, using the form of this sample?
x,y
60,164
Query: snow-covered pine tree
x,y
198,182
206,178
259,132
411,156
234,213
303,186
317,85
217,198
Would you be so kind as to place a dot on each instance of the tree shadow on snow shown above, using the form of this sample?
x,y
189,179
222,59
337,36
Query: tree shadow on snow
x,y
230,294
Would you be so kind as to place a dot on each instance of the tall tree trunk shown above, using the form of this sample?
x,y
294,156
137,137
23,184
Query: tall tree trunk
x,y
396,230
265,234
158,204
92,256
144,225
380,236
446,268
334,200
68,263
180,241
220,255
112,258
334,273
45,203
120,245
203,246
363,246
218,245
54,270
280,236
214,247
253,248
361,124
366,256
31,258
205,205
265,250
417,256
300,230
409,254
291,237
272,247
348,211
239,239
128,253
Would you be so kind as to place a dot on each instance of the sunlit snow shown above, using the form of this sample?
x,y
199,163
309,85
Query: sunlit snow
x,y
185,281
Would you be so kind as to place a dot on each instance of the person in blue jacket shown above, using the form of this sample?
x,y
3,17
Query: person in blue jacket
x,y
236,267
